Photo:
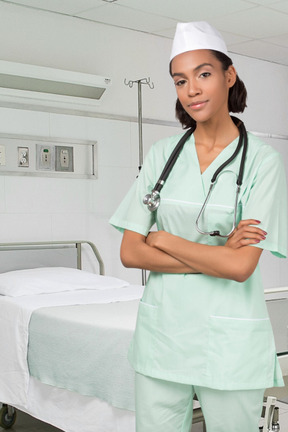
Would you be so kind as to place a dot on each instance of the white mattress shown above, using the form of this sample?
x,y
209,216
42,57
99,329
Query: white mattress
x,y
15,315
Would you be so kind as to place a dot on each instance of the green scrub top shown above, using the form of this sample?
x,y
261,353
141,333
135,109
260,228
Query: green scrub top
x,y
193,328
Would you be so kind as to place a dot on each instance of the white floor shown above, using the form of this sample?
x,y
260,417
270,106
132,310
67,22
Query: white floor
x,y
25,423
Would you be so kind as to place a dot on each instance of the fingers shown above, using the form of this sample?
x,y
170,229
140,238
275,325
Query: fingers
x,y
249,225
250,233
254,231
245,241
246,233
248,222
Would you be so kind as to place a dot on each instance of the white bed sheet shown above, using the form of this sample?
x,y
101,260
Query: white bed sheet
x,y
72,412
15,315
83,348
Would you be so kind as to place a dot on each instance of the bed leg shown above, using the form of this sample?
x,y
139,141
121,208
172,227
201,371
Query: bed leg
x,y
271,416
8,416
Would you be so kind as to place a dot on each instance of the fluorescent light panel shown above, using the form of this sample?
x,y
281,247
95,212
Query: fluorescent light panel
x,y
51,87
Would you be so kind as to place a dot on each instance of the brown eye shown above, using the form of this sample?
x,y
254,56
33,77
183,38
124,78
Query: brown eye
x,y
205,75
180,83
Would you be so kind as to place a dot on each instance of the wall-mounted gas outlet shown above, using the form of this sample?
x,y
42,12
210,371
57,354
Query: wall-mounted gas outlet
x,y
45,157
2,155
64,159
23,157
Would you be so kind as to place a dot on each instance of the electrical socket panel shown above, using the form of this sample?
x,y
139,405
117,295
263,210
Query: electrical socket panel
x,y
23,157
45,157
64,159
48,157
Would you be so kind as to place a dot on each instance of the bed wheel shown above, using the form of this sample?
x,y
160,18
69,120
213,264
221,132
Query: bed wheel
x,y
7,416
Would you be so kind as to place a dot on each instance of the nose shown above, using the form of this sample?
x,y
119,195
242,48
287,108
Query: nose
x,y
193,89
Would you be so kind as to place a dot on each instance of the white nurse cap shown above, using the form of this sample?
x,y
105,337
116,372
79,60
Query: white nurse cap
x,y
196,35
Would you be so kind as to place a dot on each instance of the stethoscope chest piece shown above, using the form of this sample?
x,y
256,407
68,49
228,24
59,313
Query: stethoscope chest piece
x,y
152,200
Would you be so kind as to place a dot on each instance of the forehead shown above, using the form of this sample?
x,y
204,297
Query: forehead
x,y
192,59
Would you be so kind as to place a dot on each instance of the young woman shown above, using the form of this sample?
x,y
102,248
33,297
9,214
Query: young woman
x,y
202,323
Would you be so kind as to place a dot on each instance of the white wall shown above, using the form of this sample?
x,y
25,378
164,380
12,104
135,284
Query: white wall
x,y
49,208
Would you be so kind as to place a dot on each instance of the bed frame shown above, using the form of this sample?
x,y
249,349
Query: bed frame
x,y
78,244
8,413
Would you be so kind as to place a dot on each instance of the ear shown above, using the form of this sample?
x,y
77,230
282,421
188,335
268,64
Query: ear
x,y
231,75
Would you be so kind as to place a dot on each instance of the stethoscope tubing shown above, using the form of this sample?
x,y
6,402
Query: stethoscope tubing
x,y
153,200
172,159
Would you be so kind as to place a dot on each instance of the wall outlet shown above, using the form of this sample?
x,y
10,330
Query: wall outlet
x,y
64,160
45,157
23,157
2,155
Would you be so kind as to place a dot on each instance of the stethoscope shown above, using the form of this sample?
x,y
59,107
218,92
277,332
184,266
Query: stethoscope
x,y
152,200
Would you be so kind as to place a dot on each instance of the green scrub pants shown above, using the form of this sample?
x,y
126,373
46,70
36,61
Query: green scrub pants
x,y
165,406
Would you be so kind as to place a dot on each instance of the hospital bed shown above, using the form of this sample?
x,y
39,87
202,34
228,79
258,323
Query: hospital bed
x,y
97,311
64,337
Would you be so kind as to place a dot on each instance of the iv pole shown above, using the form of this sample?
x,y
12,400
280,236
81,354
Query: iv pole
x,y
140,82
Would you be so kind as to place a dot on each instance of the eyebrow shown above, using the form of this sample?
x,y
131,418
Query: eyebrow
x,y
194,70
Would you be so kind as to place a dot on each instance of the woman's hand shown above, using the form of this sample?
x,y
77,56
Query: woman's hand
x,y
157,239
154,236
246,234
236,261
136,252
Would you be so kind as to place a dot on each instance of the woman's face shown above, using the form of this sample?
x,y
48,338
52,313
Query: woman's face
x,y
202,85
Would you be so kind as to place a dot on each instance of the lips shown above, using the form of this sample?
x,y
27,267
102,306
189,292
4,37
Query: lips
x,y
197,105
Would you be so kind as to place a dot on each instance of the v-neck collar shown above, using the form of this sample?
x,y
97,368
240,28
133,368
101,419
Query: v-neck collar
x,y
220,158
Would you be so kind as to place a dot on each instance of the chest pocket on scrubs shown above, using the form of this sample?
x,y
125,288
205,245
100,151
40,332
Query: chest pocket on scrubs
x,y
179,210
219,212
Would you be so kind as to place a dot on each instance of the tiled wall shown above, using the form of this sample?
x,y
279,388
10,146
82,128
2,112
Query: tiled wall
x,y
37,208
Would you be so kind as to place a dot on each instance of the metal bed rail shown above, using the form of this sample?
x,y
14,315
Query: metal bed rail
x,y
275,290
58,245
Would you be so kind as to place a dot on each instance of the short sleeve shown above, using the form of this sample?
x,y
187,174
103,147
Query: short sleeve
x,y
266,200
132,214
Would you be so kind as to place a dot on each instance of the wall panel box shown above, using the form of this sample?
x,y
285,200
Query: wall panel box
x,y
49,157
48,89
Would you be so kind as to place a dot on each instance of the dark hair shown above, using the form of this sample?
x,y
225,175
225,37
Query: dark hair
x,y
236,99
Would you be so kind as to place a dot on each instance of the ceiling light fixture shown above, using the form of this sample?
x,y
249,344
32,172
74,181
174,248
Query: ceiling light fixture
x,y
43,86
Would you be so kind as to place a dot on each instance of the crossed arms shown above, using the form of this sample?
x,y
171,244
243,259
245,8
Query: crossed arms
x,y
166,253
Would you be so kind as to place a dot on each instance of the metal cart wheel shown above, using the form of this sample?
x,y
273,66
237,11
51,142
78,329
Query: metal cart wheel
x,y
7,416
